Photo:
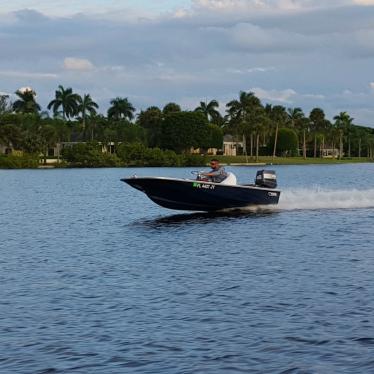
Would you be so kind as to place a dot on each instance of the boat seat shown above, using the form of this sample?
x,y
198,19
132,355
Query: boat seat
x,y
230,179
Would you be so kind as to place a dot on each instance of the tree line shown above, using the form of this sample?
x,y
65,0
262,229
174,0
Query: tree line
x,y
272,130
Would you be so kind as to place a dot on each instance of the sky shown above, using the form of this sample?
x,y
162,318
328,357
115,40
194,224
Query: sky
x,y
296,53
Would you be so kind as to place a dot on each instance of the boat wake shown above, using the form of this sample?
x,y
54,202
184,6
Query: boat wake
x,y
293,199
317,199
300,199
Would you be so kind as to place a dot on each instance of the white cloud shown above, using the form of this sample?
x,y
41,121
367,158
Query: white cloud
x,y
260,69
80,64
240,6
181,13
314,96
27,74
364,2
213,50
224,5
245,5
256,38
283,96
250,70
26,89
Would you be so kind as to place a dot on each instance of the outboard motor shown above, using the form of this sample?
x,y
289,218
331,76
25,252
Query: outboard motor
x,y
266,178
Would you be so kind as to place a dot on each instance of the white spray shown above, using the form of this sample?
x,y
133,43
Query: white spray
x,y
317,199
325,199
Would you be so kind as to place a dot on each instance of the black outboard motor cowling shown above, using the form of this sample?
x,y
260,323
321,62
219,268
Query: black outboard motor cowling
x,y
266,178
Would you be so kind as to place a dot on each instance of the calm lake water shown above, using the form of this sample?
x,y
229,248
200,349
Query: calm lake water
x,y
95,278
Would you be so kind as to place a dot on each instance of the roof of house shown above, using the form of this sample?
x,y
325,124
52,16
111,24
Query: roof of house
x,y
232,139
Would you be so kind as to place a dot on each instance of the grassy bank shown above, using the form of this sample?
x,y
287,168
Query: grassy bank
x,y
19,162
101,160
289,160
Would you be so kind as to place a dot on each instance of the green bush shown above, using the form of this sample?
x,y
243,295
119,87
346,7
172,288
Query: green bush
x,y
89,155
193,160
137,154
183,130
172,159
287,143
19,162
132,154
155,157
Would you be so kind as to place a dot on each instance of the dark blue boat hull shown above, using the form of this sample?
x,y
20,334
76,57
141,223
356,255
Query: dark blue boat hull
x,y
184,194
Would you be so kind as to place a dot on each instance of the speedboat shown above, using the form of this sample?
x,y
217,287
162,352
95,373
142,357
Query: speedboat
x,y
201,194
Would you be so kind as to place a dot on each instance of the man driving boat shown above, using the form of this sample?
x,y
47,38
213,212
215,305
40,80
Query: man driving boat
x,y
217,174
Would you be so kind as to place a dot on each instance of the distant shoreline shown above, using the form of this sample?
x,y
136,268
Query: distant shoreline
x,y
204,162
276,162
266,161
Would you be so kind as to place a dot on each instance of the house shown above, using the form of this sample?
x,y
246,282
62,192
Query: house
x,y
233,146
331,153
206,151
6,149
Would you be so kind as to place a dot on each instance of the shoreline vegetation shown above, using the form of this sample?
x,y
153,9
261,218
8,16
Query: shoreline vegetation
x,y
71,133
33,162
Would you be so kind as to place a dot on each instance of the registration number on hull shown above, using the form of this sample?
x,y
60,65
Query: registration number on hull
x,y
204,185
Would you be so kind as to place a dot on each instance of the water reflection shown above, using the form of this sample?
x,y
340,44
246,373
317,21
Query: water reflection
x,y
204,217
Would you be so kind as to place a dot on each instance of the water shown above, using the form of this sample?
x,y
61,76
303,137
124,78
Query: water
x,y
95,278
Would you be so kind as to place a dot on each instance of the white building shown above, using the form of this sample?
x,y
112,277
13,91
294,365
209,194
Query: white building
x,y
232,146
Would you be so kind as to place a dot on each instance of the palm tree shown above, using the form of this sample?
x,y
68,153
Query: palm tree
x,y
278,116
48,138
5,104
317,122
298,121
370,146
171,108
326,129
349,129
360,134
87,108
209,109
121,108
67,100
260,123
151,120
333,137
241,114
294,115
238,108
11,136
342,122
26,102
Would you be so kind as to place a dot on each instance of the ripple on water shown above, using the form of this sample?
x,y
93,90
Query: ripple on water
x,y
97,279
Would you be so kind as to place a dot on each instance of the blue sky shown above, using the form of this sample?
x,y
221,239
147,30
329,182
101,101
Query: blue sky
x,y
307,53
